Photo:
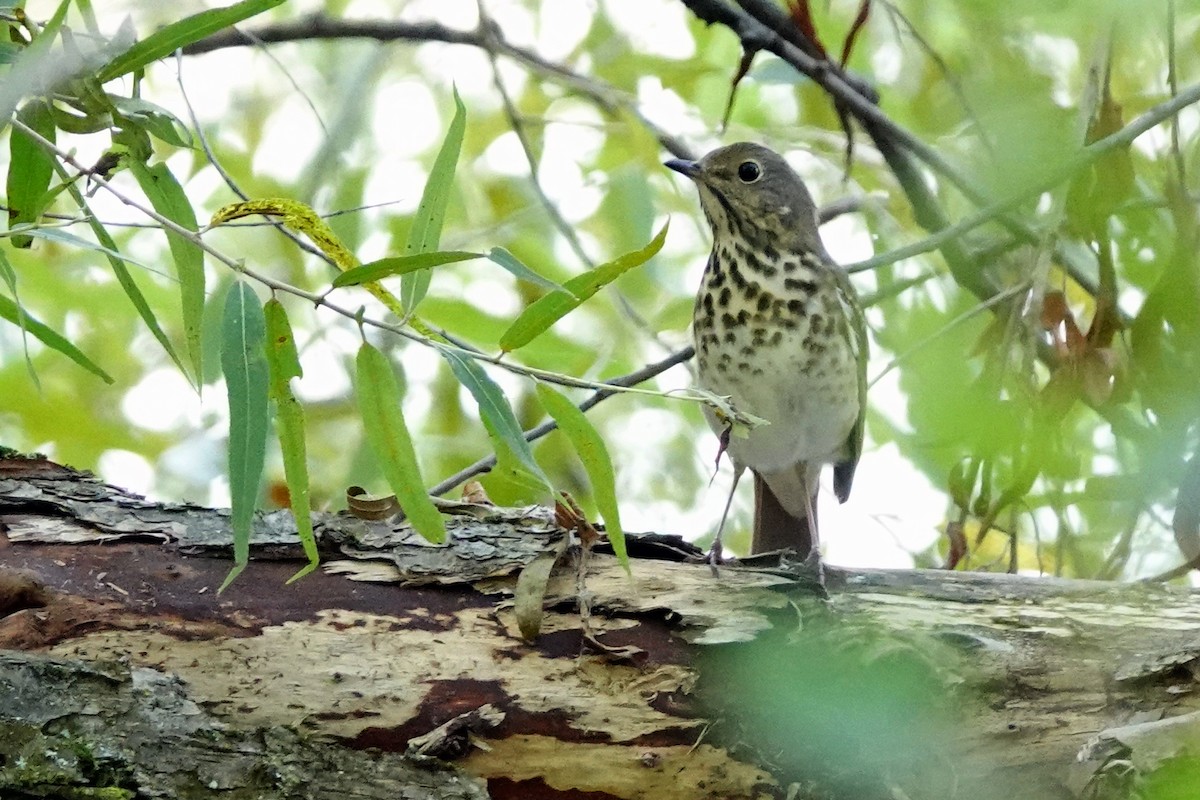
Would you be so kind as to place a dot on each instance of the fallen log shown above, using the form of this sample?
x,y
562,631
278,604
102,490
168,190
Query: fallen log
x,y
400,669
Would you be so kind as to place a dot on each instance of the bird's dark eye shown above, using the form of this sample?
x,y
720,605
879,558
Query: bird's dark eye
x,y
749,171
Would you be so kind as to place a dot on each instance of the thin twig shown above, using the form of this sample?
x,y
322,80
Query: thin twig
x,y
1173,83
489,33
321,300
319,26
1061,173
537,432
212,159
970,313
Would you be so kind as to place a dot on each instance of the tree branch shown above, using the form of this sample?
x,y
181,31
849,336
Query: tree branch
x,y
533,434
319,26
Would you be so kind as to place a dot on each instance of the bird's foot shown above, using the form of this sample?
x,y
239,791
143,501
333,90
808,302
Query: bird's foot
x,y
812,568
714,558
815,566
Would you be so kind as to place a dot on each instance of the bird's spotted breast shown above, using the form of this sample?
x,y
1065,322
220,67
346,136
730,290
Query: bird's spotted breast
x,y
779,331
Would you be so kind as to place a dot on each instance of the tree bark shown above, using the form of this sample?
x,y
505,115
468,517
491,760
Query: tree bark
x,y
399,669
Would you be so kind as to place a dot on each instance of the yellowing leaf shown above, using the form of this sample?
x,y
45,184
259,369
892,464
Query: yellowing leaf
x,y
298,217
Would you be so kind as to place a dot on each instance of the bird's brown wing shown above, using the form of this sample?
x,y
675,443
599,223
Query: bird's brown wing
x,y
843,470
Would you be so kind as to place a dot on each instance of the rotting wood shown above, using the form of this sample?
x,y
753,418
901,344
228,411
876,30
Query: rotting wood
x,y
972,685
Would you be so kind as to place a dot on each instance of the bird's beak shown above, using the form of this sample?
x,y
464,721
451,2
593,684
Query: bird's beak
x,y
689,169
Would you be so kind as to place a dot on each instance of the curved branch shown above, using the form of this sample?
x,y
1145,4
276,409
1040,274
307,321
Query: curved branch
x,y
533,434
319,26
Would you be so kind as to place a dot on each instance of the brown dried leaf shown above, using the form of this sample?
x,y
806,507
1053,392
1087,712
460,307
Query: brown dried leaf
x,y
365,506
860,19
801,15
958,544
742,70
569,515
530,593
1059,321
473,492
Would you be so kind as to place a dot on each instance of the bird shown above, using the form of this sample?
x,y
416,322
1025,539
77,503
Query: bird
x,y
780,331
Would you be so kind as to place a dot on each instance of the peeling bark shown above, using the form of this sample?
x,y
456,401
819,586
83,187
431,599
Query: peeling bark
x,y
403,664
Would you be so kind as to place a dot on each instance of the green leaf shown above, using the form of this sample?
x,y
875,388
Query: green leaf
x,y
518,269
168,199
400,265
505,432
71,240
117,262
10,279
18,316
155,120
426,229
594,455
383,420
545,311
167,40
244,364
283,363
29,170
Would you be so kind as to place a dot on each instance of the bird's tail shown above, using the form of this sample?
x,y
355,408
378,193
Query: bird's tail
x,y
785,524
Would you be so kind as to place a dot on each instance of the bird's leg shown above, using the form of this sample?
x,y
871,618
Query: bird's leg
x,y
809,497
813,560
714,552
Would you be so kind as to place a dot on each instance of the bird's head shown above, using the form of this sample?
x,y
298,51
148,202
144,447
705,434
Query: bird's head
x,y
750,191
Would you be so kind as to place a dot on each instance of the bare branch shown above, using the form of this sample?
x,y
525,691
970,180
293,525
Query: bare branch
x,y
319,26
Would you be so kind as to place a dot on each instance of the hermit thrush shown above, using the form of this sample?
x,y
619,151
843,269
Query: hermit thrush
x,y
779,330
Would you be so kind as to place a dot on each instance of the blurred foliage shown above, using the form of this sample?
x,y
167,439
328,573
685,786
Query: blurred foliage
x,y
1059,419
842,712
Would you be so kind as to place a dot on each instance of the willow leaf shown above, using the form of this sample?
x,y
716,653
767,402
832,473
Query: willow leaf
x,y
29,170
590,448
170,38
401,265
244,364
426,229
518,269
283,363
10,311
169,199
508,440
383,420
537,318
